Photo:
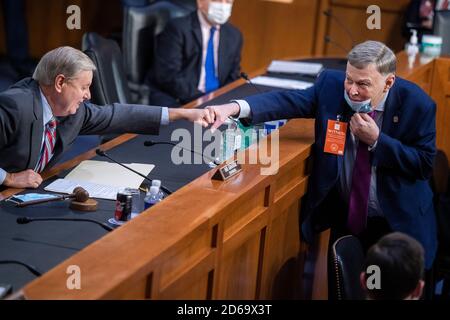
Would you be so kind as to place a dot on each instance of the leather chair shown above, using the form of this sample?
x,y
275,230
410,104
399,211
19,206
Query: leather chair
x,y
440,183
141,26
348,261
109,84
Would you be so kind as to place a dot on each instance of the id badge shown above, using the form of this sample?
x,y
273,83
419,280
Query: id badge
x,y
335,138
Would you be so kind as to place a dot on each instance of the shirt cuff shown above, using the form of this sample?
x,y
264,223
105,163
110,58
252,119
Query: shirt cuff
x,y
245,111
164,116
372,147
2,176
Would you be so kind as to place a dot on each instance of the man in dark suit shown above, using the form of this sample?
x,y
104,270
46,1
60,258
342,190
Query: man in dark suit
x,y
40,117
195,54
379,182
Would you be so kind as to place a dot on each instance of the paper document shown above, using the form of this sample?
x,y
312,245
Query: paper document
x,y
101,179
95,190
281,83
309,68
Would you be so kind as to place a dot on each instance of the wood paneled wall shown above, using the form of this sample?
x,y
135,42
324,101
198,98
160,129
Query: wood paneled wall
x,y
275,30
272,30
352,14
440,92
47,23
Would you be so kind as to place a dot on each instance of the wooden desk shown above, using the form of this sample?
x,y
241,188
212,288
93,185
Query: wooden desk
x,y
211,240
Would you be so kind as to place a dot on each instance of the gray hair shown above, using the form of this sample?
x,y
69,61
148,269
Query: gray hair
x,y
67,61
374,52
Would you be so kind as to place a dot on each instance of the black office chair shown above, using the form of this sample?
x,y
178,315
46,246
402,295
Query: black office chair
x,y
348,261
441,25
109,84
440,183
141,26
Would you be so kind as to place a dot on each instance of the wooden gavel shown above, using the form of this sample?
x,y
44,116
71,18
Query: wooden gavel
x,y
79,194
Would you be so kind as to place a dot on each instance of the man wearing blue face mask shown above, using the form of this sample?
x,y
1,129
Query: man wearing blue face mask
x,y
195,54
378,181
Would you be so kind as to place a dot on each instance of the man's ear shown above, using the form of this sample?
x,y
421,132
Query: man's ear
x,y
59,82
362,280
417,292
389,82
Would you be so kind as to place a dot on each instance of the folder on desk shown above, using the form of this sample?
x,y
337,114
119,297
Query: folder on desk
x,y
281,83
293,67
101,179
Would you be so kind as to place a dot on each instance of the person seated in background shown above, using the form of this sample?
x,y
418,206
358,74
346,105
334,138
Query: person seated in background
x,y
400,260
41,117
195,54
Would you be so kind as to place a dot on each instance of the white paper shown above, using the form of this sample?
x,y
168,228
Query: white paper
x,y
281,83
101,179
309,68
110,174
95,190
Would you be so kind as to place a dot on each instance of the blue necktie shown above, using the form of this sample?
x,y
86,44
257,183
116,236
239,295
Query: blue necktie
x,y
211,81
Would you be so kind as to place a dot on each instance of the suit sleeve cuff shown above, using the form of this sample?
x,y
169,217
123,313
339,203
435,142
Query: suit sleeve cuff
x,y
372,147
164,116
245,109
2,176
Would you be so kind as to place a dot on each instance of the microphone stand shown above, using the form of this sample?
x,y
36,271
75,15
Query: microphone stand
x,y
25,220
102,153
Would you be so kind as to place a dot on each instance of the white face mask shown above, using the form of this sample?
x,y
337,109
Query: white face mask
x,y
358,106
218,12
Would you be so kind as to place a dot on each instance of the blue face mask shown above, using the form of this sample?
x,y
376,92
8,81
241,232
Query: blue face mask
x,y
358,106
19,198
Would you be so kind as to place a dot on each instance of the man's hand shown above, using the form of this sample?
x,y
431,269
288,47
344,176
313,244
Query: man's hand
x,y
365,128
222,112
23,179
203,117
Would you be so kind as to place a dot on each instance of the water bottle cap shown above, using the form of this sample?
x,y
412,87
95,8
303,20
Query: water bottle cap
x,y
156,183
154,190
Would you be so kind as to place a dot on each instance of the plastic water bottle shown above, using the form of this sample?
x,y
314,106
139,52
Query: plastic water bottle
x,y
152,197
231,140
157,183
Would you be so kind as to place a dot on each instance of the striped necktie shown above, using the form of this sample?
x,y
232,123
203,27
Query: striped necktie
x,y
48,145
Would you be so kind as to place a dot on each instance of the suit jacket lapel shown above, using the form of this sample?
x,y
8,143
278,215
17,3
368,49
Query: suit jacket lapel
x,y
223,45
391,110
37,128
198,38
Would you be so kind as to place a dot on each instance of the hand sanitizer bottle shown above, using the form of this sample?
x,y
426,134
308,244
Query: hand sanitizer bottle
x,y
412,48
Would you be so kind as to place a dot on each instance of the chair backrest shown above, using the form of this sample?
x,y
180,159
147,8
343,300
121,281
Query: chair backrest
x,y
140,28
109,84
440,186
441,27
348,261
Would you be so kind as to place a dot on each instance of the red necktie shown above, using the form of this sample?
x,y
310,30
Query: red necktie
x,y
359,193
48,146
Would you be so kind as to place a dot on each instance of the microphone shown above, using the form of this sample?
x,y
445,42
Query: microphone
x,y
25,220
246,78
30,268
79,194
102,153
329,40
150,143
342,25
